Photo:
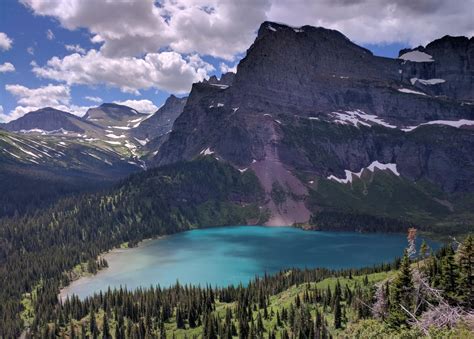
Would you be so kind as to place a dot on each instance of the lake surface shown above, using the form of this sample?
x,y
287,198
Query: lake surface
x,y
230,255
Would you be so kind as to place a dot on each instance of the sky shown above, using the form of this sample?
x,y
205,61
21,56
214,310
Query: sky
x,y
76,54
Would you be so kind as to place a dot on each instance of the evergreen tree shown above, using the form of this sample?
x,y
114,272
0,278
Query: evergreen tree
x,y
465,258
105,328
401,293
94,331
337,312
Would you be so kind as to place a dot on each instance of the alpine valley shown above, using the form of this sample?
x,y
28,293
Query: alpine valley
x,y
312,131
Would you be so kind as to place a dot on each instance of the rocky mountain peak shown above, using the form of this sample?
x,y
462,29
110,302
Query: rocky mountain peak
x,y
45,119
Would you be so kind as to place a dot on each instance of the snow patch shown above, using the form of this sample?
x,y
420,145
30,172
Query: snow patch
x,y
120,127
271,28
410,91
113,142
416,56
220,86
349,176
12,154
359,117
207,151
242,170
113,136
43,132
427,81
452,123
142,142
220,105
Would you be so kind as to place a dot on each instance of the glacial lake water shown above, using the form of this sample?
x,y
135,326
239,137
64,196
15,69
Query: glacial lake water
x,y
230,255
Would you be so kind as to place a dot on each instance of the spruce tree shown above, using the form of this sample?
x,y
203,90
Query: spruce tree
x,y
465,259
337,312
401,291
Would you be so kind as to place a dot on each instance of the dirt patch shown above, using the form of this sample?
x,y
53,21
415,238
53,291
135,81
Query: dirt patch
x,y
271,171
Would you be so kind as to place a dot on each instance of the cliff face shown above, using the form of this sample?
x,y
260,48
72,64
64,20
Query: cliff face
x,y
162,120
307,104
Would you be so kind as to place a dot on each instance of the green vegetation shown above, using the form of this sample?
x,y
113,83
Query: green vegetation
x,y
48,245
318,303
380,197
36,171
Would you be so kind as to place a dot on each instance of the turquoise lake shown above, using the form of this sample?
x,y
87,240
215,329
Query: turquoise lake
x,y
230,255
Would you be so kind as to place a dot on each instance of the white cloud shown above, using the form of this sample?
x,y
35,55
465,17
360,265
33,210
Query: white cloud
x,y
7,67
128,28
75,48
30,50
143,106
50,95
5,42
32,99
49,34
224,28
218,28
226,68
8,117
93,99
378,22
167,71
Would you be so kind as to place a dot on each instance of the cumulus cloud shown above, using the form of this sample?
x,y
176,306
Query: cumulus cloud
x,y
93,99
143,106
5,42
7,67
169,71
223,28
383,21
32,99
49,34
8,117
220,28
50,95
226,68
75,48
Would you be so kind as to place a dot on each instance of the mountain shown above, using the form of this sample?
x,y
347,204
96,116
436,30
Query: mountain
x,y
37,169
160,122
108,113
47,120
309,109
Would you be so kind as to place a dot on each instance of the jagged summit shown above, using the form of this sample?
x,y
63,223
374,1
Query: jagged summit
x,y
308,103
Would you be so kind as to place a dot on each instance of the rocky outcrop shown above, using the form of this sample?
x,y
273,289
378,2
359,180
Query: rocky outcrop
x,y
162,120
448,71
307,102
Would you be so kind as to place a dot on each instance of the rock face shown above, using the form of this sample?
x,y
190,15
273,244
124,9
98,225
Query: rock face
x,y
308,103
46,119
113,114
452,66
162,120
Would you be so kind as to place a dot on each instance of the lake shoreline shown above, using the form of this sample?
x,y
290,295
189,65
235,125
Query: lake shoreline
x,y
108,255
120,265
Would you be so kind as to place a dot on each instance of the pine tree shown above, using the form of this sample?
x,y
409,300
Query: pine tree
x,y
105,328
465,259
423,249
92,323
401,293
337,312
449,275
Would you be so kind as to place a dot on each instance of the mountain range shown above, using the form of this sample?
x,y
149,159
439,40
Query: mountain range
x,y
328,128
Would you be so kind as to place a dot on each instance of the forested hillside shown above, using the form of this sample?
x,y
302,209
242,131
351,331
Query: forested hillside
x,y
41,248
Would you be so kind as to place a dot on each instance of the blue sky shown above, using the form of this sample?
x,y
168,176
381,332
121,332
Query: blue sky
x,y
27,25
